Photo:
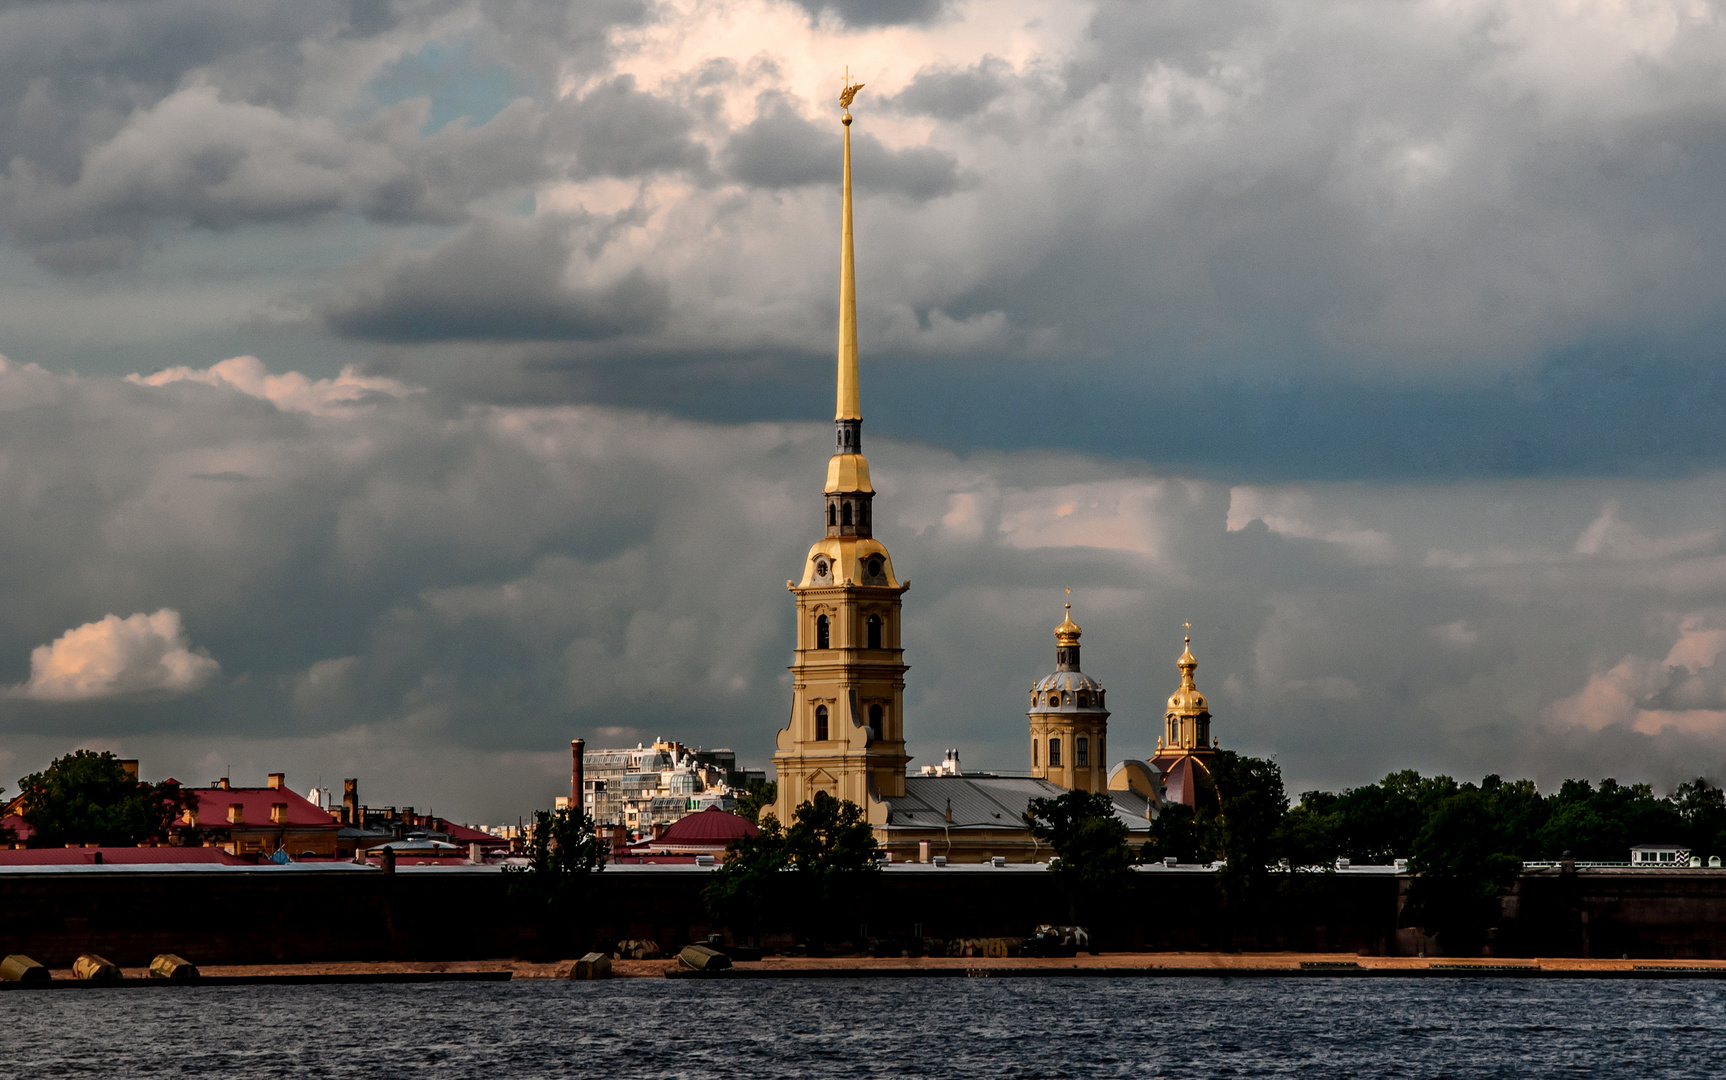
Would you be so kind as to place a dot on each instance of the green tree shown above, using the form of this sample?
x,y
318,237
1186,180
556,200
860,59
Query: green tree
x,y
749,894
1702,808
1311,832
553,889
1602,823
759,795
831,841
1095,867
1463,866
817,875
1174,832
89,798
1250,806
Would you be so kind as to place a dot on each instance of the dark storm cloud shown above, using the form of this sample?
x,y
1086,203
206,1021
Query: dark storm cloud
x,y
126,117
616,130
954,93
781,149
497,281
862,13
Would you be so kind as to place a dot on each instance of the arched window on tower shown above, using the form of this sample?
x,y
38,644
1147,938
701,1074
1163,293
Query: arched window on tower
x,y
845,513
1033,753
820,723
877,722
1082,753
822,638
1054,753
874,631
1084,700
832,514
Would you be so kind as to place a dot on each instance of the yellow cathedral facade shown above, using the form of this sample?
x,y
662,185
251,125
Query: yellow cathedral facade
x,y
846,730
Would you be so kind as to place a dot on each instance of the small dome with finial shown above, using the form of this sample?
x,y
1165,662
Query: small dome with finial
x,y
1188,700
1068,632
1068,689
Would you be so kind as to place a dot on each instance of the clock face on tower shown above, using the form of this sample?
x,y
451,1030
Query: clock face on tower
x,y
821,568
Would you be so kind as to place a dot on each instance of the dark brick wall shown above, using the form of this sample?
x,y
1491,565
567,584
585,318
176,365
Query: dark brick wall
x,y
1644,914
286,916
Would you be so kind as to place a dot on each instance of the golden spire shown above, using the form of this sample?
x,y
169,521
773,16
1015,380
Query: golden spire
x,y
1188,663
1068,632
849,405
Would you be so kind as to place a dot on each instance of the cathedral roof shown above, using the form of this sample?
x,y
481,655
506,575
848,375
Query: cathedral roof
x,y
1066,680
990,802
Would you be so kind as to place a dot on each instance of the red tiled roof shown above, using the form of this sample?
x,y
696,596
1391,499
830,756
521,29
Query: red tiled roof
x,y
461,834
119,856
711,828
711,824
213,806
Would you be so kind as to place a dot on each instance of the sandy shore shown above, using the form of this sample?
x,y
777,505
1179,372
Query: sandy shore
x,y
1123,963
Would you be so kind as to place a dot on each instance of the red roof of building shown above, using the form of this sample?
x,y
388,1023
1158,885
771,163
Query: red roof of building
x,y
20,828
711,829
1180,779
119,856
710,824
213,806
463,834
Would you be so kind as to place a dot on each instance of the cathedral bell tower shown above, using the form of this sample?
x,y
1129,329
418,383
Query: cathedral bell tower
x,y
846,733
1069,726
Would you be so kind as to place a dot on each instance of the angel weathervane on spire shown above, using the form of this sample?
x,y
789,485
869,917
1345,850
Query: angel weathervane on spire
x,y
846,96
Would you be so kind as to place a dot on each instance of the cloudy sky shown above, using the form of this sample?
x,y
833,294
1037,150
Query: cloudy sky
x,y
401,389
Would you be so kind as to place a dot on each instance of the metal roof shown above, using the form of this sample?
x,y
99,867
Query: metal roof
x,y
990,802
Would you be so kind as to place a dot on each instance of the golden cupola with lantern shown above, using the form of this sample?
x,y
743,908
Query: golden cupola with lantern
x,y
1186,740
846,731
1069,725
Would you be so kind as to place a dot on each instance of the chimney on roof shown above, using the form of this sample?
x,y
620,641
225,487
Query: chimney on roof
x,y
190,816
276,779
278,813
577,748
223,783
236,813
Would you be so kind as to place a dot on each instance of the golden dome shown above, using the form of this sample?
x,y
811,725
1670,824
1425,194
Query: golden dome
x,y
1068,632
1188,700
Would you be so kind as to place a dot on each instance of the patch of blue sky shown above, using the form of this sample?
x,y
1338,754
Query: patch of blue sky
x,y
462,84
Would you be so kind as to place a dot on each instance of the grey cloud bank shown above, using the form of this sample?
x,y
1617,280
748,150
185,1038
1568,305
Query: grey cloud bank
x,y
1293,199
429,592
1381,341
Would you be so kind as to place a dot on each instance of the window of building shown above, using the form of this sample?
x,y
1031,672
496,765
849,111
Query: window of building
x,y
874,631
1084,700
832,514
1082,752
845,514
1033,753
1054,753
820,723
822,638
877,720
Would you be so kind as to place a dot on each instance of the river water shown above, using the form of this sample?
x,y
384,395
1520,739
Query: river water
x,y
950,1028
